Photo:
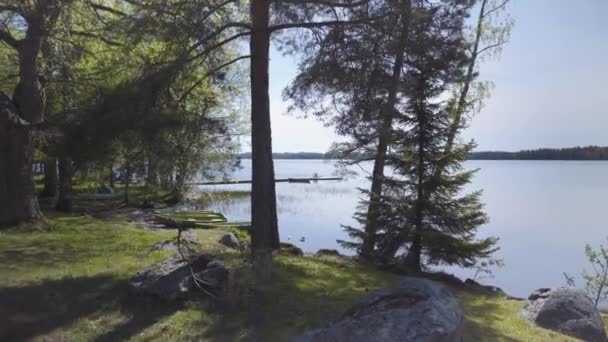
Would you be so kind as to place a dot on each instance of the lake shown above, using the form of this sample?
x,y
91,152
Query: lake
x,y
544,212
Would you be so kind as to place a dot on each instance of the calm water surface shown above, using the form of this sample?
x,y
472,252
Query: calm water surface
x,y
544,212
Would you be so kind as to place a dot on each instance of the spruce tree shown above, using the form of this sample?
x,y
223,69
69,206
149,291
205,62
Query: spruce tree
x,y
426,215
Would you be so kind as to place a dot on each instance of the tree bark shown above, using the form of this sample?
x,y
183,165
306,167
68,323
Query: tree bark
x,y
66,173
127,180
371,226
50,178
265,234
152,172
18,202
111,176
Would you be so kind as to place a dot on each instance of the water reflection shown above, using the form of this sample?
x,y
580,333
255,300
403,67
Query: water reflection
x,y
543,212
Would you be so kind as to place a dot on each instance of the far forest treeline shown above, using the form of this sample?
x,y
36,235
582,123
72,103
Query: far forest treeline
x,y
570,153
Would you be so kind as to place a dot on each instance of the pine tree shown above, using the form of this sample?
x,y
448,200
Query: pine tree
x,y
425,212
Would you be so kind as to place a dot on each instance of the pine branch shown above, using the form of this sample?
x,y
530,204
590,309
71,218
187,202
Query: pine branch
x,y
489,47
8,38
318,24
96,36
100,7
209,73
497,8
218,45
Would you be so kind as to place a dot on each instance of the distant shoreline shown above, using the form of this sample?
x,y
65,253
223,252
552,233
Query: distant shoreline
x,y
588,153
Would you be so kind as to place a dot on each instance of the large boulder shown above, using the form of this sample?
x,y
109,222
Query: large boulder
x,y
566,310
172,278
416,310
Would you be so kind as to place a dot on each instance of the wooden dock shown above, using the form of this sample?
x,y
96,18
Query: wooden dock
x,y
307,180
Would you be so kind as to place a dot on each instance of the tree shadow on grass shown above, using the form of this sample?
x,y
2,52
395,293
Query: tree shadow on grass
x,y
38,309
482,318
305,297
302,297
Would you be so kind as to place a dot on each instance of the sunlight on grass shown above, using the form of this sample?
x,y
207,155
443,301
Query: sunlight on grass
x,y
69,283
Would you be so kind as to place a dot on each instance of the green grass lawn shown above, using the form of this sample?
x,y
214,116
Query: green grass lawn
x,y
69,284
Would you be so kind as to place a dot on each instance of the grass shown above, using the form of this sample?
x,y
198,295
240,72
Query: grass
x,y
69,284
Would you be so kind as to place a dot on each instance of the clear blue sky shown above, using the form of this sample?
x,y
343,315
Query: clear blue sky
x,y
551,84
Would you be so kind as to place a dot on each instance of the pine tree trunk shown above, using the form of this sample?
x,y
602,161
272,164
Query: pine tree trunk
x,y
265,236
414,256
111,178
371,226
152,172
127,180
50,178
66,173
18,202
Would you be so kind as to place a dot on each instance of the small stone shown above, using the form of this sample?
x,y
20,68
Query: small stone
x,y
230,240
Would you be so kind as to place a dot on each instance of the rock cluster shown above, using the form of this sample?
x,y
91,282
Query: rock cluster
x,y
566,310
175,277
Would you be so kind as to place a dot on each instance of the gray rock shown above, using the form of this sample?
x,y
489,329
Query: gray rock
x,y
328,252
289,249
188,240
172,278
214,275
230,240
565,310
416,310
486,289
105,189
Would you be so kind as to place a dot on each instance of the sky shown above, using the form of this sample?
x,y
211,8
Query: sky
x,y
550,84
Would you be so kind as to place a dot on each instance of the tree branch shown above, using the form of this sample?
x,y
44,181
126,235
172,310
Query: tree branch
x,y
497,8
502,42
8,38
92,35
278,27
101,7
208,74
14,9
217,33
328,3
218,45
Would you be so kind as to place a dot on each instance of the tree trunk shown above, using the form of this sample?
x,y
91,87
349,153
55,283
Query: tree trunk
x,y
152,172
50,178
371,225
265,234
84,172
111,178
66,173
127,180
18,202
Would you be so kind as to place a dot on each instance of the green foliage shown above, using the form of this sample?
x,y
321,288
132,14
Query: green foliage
x,y
572,153
596,281
484,268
